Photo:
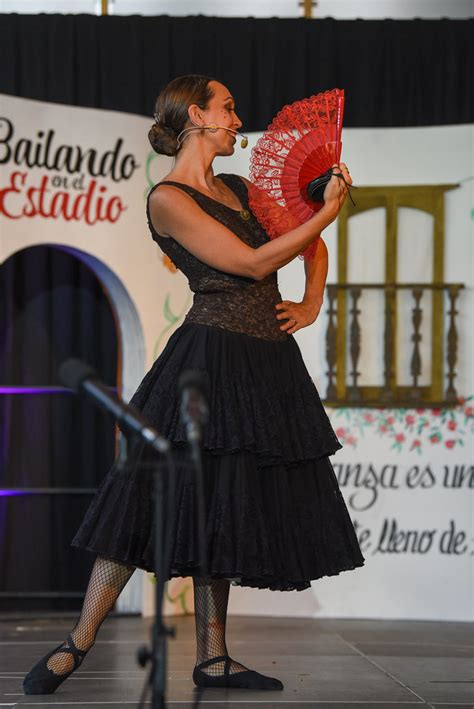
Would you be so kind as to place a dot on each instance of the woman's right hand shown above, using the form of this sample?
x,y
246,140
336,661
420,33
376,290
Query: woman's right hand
x,y
336,190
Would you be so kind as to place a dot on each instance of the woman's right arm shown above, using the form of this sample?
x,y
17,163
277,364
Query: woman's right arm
x,y
174,213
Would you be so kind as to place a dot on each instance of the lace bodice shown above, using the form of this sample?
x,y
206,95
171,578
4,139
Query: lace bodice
x,y
224,299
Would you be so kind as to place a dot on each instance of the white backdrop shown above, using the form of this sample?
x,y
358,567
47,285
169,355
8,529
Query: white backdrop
x,y
407,477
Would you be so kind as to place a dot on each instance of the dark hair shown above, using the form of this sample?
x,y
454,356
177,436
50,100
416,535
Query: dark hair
x,y
171,110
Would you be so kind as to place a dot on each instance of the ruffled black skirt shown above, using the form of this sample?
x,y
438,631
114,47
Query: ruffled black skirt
x,y
275,516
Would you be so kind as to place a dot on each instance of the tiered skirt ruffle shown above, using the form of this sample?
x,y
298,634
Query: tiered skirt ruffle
x,y
275,516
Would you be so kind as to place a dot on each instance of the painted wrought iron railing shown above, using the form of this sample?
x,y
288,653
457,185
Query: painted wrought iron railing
x,y
345,334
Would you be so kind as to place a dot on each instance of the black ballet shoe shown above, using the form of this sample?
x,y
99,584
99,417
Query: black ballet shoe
x,y
247,679
42,680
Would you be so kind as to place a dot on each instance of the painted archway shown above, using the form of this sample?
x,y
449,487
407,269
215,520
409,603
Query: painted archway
x,y
60,302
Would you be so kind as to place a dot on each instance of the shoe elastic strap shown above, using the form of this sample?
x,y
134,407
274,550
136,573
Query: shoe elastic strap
x,y
216,659
77,654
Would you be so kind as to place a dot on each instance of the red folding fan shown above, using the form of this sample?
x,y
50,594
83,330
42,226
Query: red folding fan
x,y
290,165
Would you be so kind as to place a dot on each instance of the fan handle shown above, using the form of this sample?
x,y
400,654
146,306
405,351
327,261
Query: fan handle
x,y
315,188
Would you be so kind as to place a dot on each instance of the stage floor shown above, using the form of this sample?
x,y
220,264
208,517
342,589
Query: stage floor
x,y
333,664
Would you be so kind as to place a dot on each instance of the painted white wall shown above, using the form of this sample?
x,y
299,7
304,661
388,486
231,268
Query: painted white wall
x,y
435,585
408,585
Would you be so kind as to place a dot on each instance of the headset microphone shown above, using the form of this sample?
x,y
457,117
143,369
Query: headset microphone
x,y
243,143
213,127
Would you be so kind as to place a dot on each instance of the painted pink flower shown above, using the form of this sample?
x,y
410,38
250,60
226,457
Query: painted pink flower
x,y
400,437
416,443
383,429
434,438
368,417
468,411
390,420
350,440
409,419
419,411
450,443
340,431
436,412
461,401
452,425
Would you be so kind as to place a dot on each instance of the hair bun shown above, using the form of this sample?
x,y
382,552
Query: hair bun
x,y
162,139
171,110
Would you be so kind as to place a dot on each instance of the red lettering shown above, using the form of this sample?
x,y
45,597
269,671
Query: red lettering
x,y
88,217
29,201
114,209
16,190
31,194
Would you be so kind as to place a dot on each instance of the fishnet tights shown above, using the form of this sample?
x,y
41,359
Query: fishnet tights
x,y
107,580
211,598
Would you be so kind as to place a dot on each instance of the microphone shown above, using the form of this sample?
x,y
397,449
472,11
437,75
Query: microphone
x,y
83,379
213,127
193,384
243,143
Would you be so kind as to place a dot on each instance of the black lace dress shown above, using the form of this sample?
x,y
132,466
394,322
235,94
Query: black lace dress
x,y
275,516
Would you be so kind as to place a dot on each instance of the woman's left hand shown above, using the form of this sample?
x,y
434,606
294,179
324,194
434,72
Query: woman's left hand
x,y
297,315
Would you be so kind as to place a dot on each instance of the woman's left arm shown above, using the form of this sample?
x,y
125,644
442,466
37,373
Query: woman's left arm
x,y
299,315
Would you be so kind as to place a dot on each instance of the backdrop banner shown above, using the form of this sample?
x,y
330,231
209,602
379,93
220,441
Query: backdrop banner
x,y
78,178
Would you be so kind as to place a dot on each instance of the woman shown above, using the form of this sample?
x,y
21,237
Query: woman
x,y
275,517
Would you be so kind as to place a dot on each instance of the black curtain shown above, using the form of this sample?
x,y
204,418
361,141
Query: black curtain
x,y
52,308
395,72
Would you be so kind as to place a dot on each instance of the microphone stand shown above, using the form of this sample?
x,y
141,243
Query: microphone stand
x,y
84,380
160,632
80,377
194,414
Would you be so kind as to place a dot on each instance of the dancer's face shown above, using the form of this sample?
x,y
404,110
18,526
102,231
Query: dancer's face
x,y
221,111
